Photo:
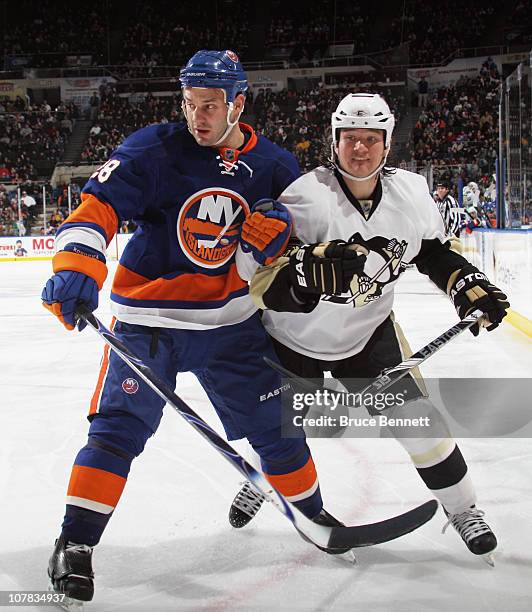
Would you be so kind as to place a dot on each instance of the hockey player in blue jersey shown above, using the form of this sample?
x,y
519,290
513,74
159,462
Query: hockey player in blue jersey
x,y
178,297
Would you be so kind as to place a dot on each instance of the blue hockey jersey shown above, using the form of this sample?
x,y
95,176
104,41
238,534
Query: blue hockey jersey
x,y
180,268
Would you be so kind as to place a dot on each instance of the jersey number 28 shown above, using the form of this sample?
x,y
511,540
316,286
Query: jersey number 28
x,y
104,172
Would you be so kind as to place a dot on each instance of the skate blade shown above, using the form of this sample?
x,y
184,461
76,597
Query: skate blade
x,y
69,604
349,556
489,559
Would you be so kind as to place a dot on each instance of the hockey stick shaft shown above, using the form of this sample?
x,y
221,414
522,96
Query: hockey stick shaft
x,y
170,397
212,243
371,280
320,535
391,375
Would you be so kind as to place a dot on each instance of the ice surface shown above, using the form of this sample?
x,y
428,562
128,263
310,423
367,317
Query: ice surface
x,y
169,545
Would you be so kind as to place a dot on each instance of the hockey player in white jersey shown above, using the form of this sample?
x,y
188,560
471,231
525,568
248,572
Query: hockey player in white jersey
x,y
475,190
358,206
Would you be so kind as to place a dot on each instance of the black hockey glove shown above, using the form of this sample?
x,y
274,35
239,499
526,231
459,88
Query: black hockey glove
x,y
469,289
326,267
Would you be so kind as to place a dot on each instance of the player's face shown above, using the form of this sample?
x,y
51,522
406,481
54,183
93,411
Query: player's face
x,y
206,113
360,151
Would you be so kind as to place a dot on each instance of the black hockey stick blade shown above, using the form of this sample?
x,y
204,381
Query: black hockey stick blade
x,y
384,531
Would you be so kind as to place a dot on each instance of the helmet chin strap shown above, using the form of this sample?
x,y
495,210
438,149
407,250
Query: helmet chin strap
x,y
230,124
336,163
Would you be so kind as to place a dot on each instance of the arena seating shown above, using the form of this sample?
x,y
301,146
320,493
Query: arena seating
x,y
152,35
37,134
456,132
459,129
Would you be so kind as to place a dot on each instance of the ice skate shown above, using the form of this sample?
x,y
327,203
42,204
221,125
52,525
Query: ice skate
x,y
70,572
476,534
245,505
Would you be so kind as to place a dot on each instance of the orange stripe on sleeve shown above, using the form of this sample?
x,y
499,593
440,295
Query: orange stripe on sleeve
x,y
186,287
66,260
95,484
296,482
93,210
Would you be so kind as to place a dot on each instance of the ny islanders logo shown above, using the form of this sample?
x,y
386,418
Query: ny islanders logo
x,y
130,386
208,226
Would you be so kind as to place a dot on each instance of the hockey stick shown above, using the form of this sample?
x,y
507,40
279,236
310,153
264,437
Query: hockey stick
x,y
322,536
389,376
377,274
210,244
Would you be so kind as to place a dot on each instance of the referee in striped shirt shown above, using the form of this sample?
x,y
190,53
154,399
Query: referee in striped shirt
x,y
449,209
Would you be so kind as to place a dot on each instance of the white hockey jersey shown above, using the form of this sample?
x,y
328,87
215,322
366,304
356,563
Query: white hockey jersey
x,y
394,230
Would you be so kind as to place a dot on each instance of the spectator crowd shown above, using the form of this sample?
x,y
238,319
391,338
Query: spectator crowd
x,y
162,34
300,121
153,35
117,116
457,130
21,206
297,121
48,30
33,135
434,34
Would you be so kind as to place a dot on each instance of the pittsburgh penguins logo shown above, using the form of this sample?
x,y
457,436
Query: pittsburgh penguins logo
x,y
208,226
383,266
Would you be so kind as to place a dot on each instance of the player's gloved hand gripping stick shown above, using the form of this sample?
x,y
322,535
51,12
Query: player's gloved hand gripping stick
x,y
470,289
79,273
322,536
